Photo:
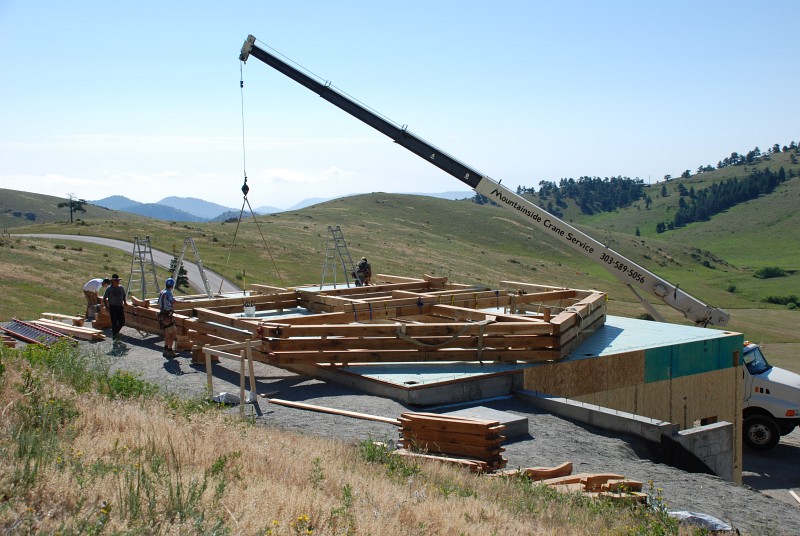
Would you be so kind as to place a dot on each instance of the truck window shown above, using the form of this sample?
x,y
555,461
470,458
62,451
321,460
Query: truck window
x,y
755,362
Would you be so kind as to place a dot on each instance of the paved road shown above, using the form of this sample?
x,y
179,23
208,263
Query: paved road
x,y
775,472
159,257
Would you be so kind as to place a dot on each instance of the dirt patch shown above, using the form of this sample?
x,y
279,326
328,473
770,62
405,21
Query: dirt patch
x,y
762,505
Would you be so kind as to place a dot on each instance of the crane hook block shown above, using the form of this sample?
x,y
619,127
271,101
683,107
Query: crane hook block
x,y
246,48
245,187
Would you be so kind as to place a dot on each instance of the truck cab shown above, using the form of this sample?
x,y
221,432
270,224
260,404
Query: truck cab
x,y
771,406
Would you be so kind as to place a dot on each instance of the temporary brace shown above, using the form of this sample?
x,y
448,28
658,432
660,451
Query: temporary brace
x,y
400,332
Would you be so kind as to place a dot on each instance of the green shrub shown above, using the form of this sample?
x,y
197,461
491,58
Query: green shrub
x,y
123,384
768,272
783,300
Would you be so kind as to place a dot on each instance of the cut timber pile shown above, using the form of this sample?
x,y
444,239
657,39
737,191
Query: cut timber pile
x,y
599,485
79,332
68,319
472,442
596,485
8,341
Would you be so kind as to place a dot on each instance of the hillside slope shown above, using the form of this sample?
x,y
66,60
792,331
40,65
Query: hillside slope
x,y
412,235
25,208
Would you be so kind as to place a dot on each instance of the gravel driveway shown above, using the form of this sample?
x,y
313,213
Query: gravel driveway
x,y
551,440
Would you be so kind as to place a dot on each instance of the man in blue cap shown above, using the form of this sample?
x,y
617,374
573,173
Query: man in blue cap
x,y
165,318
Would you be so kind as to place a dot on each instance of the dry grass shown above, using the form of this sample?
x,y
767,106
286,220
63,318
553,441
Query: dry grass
x,y
142,466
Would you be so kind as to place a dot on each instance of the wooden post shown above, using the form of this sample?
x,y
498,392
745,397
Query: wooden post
x,y
209,379
241,382
253,388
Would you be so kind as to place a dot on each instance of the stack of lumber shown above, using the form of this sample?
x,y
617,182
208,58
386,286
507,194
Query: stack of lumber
x,y
79,332
471,442
75,320
8,341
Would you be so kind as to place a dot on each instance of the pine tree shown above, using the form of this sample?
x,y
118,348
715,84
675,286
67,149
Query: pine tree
x,y
183,279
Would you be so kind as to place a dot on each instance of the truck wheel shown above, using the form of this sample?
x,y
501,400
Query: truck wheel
x,y
761,432
786,428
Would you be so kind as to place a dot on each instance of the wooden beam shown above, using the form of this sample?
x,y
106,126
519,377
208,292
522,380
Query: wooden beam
x,y
406,356
439,329
303,344
87,334
323,409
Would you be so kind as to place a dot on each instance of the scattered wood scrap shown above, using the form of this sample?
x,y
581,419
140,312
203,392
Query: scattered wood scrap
x,y
596,485
538,473
79,332
476,466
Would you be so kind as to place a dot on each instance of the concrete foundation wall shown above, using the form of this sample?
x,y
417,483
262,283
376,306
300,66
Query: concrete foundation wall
x,y
712,445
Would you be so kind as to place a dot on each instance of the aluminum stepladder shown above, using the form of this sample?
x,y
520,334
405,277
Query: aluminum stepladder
x,y
179,262
336,253
142,266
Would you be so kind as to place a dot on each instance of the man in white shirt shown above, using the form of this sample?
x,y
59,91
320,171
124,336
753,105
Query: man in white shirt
x,y
91,290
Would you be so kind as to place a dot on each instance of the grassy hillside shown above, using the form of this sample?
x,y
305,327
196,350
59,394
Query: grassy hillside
x,y
412,235
19,209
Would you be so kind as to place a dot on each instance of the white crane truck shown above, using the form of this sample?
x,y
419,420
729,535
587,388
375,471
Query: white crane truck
x,y
772,398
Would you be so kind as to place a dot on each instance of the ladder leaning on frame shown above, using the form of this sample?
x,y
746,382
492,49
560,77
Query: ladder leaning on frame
x,y
336,253
179,262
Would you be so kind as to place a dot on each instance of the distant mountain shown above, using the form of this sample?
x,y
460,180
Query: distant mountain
x,y
266,210
225,216
115,202
311,201
161,212
198,207
193,209
151,210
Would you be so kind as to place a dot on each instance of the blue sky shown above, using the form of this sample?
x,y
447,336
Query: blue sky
x,y
100,98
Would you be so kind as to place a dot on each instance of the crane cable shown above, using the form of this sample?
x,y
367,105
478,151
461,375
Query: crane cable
x,y
245,190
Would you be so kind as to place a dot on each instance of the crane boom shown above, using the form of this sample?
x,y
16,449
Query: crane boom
x,y
628,272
